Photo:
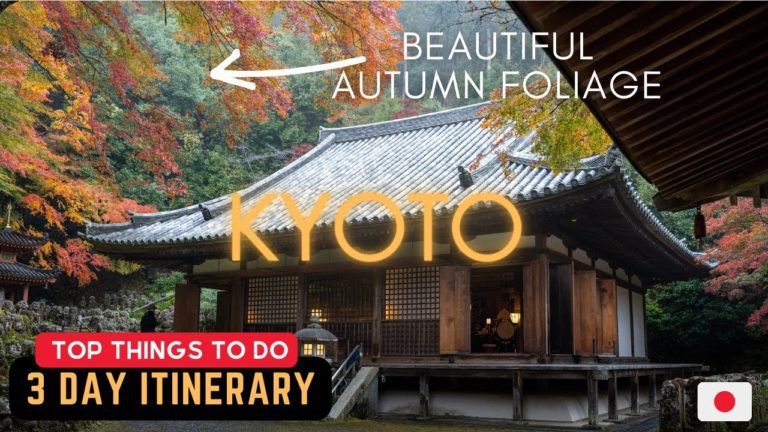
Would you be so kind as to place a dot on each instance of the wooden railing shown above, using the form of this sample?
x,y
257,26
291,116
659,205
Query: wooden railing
x,y
346,369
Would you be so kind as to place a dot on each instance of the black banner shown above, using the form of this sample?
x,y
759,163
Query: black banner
x,y
300,393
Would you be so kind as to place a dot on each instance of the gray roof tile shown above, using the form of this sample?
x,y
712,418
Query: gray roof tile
x,y
395,158
18,272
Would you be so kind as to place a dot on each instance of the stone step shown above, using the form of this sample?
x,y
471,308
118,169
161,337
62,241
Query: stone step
x,y
355,391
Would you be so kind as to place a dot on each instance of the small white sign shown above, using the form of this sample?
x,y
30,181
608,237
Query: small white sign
x,y
724,401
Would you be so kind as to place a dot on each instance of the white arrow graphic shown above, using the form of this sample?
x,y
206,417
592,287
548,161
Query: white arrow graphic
x,y
221,73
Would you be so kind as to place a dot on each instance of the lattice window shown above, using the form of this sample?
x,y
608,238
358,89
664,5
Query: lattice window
x,y
272,300
271,328
411,338
412,294
351,334
341,298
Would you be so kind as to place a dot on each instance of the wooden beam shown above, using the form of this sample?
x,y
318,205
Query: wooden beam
x,y
186,310
729,182
301,307
631,326
222,311
378,311
536,306
517,395
634,394
689,84
454,310
612,392
722,140
238,289
591,399
720,162
423,396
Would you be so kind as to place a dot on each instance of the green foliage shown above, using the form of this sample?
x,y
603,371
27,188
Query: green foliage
x,y
165,285
159,287
213,172
686,324
565,129
680,223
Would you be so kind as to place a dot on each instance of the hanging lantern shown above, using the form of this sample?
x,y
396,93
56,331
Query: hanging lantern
x,y
699,224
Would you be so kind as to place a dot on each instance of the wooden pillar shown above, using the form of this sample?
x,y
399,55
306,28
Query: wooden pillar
x,y
591,399
517,395
652,390
612,392
454,310
237,305
423,396
631,322
25,294
634,394
536,306
223,307
378,311
186,310
301,307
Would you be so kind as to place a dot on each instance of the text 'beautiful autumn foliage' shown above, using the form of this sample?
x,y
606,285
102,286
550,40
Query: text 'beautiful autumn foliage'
x,y
79,95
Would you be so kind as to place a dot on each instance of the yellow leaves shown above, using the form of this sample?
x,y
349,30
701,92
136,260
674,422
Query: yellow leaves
x,y
71,124
35,88
565,129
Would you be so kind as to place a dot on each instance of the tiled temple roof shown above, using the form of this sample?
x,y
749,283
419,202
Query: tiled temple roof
x,y
18,272
12,239
416,154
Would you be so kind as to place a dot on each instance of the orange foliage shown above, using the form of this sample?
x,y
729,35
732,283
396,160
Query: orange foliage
x,y
740,247
67,68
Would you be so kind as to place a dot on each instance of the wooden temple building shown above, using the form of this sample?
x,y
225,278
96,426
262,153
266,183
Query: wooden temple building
x,y
516,339
17,278
705,139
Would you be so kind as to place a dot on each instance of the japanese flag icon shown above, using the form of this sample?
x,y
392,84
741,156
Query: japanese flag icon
x,y
724,401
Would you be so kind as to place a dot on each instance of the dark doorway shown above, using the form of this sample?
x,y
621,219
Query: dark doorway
x,y
496,294
561,308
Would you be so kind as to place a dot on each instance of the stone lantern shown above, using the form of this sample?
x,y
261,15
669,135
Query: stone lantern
x,y
315,341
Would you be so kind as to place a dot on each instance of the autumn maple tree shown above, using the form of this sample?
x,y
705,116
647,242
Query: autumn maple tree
x,y
740,247
79,90
565,129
